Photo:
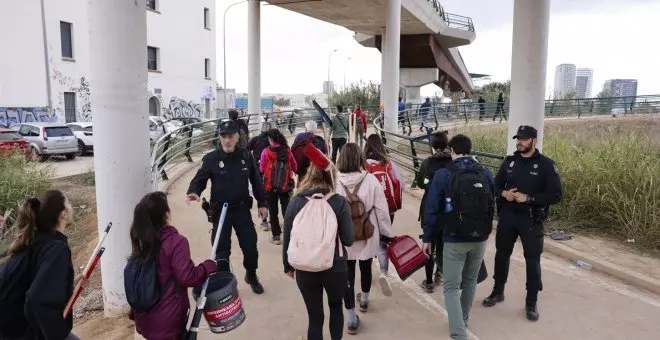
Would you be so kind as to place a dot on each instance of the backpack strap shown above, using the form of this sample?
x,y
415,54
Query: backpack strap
x,y
357,187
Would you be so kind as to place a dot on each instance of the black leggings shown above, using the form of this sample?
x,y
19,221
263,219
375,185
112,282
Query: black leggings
x,y
365,281
437,247
311,287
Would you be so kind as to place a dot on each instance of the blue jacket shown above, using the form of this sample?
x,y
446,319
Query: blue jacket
x,y
435,201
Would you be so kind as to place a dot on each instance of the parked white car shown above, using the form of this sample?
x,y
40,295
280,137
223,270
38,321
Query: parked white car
x,y
85,135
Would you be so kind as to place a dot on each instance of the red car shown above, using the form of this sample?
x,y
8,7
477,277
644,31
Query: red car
x,y
11,142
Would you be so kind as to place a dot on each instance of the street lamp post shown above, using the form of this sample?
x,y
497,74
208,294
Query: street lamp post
x,y
328,83
224,51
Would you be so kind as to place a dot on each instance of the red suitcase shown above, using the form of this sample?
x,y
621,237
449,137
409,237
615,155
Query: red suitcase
x,y
406,255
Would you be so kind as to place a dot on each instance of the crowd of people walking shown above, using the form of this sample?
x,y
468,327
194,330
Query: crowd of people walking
x,y
338,208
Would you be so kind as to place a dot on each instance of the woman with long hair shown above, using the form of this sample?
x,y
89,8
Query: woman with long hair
x,y
40,241
153,238
320,179
354,180
378,160
277,164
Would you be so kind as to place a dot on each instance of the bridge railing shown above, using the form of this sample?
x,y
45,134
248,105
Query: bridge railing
x,y
452,20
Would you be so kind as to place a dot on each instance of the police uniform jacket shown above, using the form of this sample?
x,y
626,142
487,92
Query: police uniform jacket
x,y
536,176
229,174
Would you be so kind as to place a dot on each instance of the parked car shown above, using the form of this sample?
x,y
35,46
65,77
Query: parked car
x,y
11,142
49,139
176,123
157,128
85,134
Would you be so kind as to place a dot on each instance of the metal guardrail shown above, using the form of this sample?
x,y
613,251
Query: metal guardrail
x,y
452,20
408,150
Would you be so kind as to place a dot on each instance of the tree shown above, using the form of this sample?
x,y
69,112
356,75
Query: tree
x,y
492,90
365,94
282,102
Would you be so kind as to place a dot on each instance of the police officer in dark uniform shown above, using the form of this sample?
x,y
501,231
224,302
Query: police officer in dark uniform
x,y
526,185
230,168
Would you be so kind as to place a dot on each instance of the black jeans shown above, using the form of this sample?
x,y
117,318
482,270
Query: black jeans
x,y
337,143
437,247
240,219
365,281
510,226
273,210
311,286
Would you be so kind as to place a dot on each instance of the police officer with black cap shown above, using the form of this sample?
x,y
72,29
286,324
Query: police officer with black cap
x,y
230,168
526,185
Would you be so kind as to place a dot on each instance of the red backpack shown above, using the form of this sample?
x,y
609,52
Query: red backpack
x,y
278,176
391,186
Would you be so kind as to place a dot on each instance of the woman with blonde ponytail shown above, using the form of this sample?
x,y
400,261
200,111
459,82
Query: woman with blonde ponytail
x,y
36,272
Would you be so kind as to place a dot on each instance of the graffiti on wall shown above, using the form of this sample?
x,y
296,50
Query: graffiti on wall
x,y
83,96
181,108
10,116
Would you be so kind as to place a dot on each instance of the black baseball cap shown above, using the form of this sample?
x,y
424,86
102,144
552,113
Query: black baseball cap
x,y
229,128
526,132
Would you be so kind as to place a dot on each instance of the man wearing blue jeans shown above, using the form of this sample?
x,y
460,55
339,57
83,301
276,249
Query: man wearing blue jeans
x,y
461,199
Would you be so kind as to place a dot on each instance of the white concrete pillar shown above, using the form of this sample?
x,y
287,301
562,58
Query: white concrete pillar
x,y
383,64
254,57
531,21
414,94
391,69
118,81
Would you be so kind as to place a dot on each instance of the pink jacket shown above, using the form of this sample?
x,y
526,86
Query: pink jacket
x,y
372,195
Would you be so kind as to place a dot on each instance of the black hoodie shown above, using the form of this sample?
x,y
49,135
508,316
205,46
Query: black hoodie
x,y
439,160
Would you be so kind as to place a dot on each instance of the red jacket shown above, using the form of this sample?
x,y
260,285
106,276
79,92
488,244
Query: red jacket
x,y
167,319
359,114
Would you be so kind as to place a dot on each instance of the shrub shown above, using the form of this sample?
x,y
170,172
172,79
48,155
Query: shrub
x,y
610,172
20,179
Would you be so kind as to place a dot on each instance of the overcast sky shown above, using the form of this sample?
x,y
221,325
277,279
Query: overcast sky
x,y
614,37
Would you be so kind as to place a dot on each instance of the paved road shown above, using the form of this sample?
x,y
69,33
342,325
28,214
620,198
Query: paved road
x,y
63,167
576,304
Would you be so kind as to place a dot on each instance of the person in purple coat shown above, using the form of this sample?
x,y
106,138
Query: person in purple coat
x,y
153,236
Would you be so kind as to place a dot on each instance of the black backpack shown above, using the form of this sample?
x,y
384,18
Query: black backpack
x,y
141,284
472,204
15,280
280,181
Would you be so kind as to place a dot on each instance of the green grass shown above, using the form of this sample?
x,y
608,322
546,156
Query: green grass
x,y
610,173
19,180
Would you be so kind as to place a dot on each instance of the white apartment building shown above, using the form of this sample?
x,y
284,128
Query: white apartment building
x,y
565,77
583,82
44,67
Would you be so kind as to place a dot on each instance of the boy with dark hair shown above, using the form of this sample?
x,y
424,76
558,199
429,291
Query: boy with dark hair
x,y
243,130
439,160
463,195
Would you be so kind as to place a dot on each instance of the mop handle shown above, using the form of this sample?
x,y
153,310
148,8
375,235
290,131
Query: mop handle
x,y
201,301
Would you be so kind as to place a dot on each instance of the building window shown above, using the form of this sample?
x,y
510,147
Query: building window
x,y
152,5
207,68
207,19
66,39
152,58
69,107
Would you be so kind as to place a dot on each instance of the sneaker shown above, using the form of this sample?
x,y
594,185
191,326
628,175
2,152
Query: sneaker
x,y
493,299
531,311
265,226
428,286
364,305
385,285
353,327
276,240
254,283
437,278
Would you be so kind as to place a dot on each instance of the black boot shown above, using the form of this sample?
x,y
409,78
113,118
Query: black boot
x,y
531,311
253,281
494,298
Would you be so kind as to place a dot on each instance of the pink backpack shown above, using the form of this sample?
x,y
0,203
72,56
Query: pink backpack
x,y
314,236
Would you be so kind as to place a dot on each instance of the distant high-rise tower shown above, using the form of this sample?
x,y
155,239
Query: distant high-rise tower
x,y
328,87
565,75
621,87
583,82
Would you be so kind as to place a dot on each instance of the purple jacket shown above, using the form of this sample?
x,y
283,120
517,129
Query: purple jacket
x,y
168,318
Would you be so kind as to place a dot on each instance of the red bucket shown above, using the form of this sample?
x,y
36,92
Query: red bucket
x,y
224,308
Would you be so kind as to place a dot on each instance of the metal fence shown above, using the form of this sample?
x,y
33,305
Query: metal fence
x,y
452,20
408,147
